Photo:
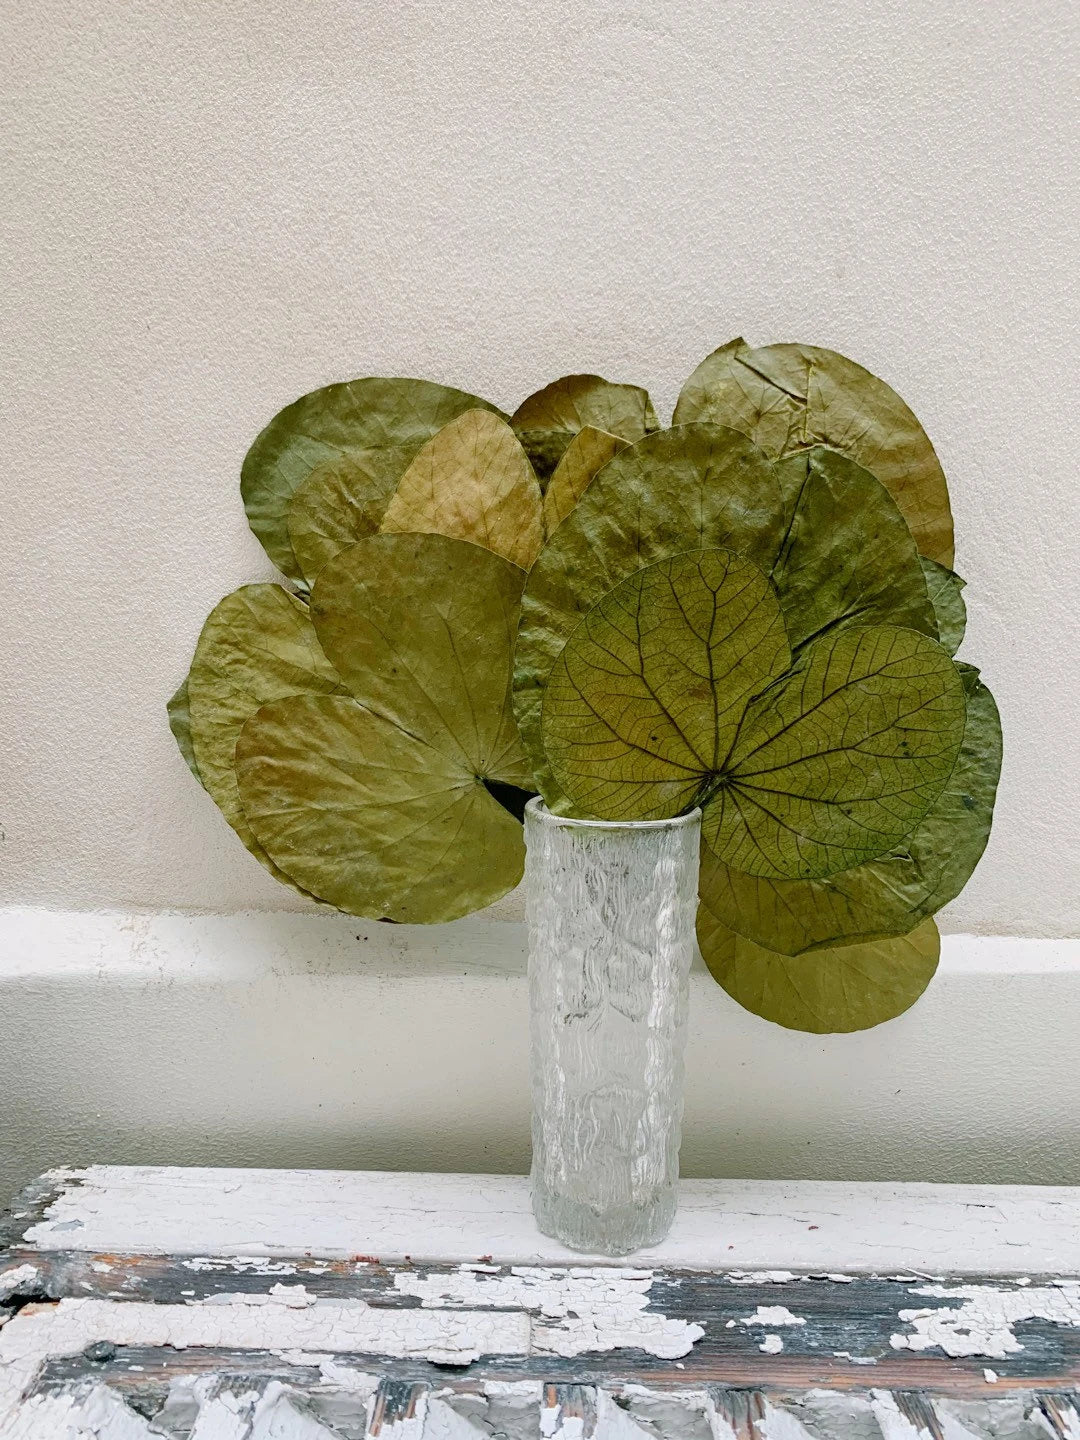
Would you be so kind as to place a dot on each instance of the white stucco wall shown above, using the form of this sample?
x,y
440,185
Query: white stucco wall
x,y
209,208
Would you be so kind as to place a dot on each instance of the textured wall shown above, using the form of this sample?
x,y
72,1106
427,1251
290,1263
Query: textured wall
x,y
211,207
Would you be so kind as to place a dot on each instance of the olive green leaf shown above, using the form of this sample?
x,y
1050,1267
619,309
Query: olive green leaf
x,y
840,759
848,557
371,818
179,713
547,421
334,507
472,481
645,700
377,423
889,895
690,488
382,802
944,587
791,397
589,450
257,645
850,987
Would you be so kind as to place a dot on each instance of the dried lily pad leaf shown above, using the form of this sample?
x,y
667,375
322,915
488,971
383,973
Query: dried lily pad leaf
x,y
645,700
257,645
587,453
791,397
338,504
944,587
472,481
835,991
838,761
379,424
690,488
548,420
179,712
889,895
371,818
379,803
848,557
421,628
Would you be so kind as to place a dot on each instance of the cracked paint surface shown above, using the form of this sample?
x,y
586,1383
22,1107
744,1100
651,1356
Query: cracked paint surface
x,y
982,1323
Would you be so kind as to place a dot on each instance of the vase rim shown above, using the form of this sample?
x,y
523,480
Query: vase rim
x,y
537,810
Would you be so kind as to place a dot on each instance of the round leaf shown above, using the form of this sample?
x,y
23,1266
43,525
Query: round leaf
x,y
548,420
840,759
944,587
851,987
690,488
587,453
791,397
338,504
377,423
421,629
848,557
179,712
889,895
371,818
257,645
472,481
645,701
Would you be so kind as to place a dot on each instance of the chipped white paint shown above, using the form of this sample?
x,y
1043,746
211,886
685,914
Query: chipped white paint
x,y
771,1345
990,1376
983,1323
1068,1418
894,1424
15,1278
771,1228
772,1315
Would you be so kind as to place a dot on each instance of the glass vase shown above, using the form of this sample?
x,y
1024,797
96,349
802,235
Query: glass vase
x,y
611,909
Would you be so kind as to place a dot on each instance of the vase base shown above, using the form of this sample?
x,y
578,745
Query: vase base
x,y
611,1230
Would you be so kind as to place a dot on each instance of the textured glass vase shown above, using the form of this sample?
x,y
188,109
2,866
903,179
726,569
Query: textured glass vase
x,y
611,909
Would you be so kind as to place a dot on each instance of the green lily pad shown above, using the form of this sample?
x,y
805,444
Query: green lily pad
x,y
944,586
889,895
472,481
848,557
378,424
548,420
179,712
381,803
839,760
792,397
587,453
645,701
257,645
690,488
835,991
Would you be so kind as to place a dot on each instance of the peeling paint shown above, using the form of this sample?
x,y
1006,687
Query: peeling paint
x,y
772,1315
771,1345
983,1323
15,1278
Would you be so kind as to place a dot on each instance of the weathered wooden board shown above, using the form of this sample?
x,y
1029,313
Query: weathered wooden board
x,y
232,1305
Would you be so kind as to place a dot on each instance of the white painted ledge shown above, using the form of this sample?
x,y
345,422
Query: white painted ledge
x,y
308,1040
728,1225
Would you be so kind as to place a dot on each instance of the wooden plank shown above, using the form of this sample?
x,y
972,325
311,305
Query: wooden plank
x,y
751,1225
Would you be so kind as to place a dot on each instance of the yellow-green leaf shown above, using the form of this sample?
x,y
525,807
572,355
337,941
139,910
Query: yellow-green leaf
x,y
690,488
257,645
587,453
382,803
472,481
889,895
548,420
848,557
791,397
835,991
840,759
179,712
645,700
339,503
944,587
379,424
371,818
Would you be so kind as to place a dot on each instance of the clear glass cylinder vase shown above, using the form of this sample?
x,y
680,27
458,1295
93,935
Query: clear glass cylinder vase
x,y
611,909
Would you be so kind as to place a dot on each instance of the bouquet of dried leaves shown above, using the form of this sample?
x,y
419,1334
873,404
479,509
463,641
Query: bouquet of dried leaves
x,y
752,611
